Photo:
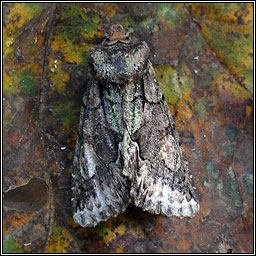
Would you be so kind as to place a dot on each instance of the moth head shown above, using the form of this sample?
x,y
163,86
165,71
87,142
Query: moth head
x,y
117,33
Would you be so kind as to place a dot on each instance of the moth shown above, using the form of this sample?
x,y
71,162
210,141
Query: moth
x,y
128,149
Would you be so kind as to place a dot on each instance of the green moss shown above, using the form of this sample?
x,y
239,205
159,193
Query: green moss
x,y
67,114
129,22
30,9
28,86
185,78
248,73
197,44
101,229
171,14
207,76
201,108
60,240
230,44
76,32
57,232
167,78
233,45
96,19
73,10
84,60
76,24
225,12
11,246
36,7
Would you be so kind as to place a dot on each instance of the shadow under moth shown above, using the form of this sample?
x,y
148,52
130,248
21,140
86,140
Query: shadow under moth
x,y
127,150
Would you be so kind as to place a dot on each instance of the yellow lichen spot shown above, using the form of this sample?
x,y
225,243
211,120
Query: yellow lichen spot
x,y
109,9
240,92
176,84
20,13
72,53
171,14
10,84
249,18
6,82
61,86
185,114
12,79
120,229
7,43
248,110
60,241
96,18
167,78
224,12
228,29
186,82
91,34
222,37
229,89
110,235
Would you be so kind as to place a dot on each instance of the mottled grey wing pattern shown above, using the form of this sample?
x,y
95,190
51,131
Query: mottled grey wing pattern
x,y
100,191
161,182
128,149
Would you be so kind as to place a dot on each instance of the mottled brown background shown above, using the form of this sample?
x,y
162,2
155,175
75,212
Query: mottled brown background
x,y
203,57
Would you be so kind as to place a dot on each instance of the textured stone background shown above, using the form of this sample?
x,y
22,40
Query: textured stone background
x,y
203,57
